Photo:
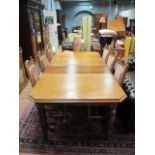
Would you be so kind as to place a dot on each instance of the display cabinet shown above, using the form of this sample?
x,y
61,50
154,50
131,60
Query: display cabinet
x,y
31,27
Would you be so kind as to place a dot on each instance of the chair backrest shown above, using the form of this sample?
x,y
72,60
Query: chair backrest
x,y
32,72
77,44
120,72
105,54
43,61
48,53
111,61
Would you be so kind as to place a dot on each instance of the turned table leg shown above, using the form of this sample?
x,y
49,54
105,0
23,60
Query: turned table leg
x,y
43,119
112,117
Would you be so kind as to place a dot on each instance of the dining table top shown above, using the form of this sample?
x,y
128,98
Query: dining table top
x,y
77,78
77,58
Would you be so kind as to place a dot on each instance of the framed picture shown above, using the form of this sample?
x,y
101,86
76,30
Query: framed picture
x,y
49,20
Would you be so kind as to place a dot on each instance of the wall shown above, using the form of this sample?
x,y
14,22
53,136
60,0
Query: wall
x,y
50,10
70,9
77,19
50,4
128,13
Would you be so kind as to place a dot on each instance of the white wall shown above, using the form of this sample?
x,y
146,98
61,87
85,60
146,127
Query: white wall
x,y
128,13
50,10
47,4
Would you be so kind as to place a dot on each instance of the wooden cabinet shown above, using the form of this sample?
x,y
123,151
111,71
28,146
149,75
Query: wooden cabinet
x,y
22,75
31,27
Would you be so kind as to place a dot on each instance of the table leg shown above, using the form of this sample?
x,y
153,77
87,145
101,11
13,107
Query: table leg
x,y
104,41
112,116
43,119
102,44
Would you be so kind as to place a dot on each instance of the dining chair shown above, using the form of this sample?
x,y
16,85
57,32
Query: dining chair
x,y
105,54
111,61
32,71
43,61
126,110
48,53
77,44
120,71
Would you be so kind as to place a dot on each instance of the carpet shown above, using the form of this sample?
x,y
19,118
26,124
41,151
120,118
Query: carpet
x,y
69,139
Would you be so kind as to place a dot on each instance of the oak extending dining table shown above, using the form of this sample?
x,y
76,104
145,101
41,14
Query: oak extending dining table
x,y
76,78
